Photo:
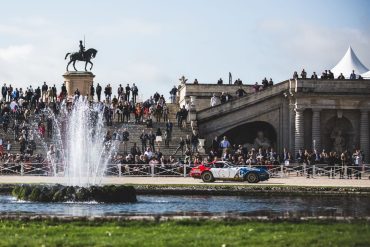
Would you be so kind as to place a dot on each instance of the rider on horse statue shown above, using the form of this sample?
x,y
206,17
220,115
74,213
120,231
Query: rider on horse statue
x,y
81,55
82,49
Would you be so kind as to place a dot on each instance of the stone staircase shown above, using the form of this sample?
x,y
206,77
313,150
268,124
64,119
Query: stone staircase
x,y
135,131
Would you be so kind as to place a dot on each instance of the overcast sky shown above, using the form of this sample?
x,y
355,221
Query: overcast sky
x,y
153,43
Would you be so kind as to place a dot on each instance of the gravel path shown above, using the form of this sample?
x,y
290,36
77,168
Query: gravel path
x,y
290,181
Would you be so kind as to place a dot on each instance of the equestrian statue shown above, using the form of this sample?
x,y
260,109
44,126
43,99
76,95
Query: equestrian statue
x,y
81,55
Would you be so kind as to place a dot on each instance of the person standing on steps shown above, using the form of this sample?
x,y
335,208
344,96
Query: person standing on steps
x,y
128,90
144,141
181,146
135,92
98,91
125,139
92,92
173,93
151,138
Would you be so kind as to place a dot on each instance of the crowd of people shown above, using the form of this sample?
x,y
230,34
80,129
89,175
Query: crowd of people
x,y
26,115
326,75
269,157
240,92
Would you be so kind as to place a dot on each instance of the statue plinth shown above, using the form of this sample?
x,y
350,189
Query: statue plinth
x,y
80,80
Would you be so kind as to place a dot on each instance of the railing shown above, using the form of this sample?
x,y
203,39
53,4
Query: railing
x,y
182,170
319,170
120,170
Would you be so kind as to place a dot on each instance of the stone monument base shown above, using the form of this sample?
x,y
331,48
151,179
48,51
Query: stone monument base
x,y
80,80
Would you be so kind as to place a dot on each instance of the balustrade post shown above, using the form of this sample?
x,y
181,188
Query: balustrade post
x,y
152,169
313,171
22,169
282,170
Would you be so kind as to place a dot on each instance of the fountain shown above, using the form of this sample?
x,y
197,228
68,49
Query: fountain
x,y
80,153
80,149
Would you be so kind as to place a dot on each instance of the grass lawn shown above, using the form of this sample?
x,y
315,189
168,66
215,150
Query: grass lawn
x,y
183,233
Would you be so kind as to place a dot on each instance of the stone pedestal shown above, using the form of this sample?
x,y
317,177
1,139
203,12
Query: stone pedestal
x,y
80,80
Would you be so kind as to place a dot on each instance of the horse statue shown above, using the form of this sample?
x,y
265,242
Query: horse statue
x,y
78,56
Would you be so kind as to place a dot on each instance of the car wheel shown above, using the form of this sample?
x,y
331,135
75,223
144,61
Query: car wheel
x,y
207,177
252,177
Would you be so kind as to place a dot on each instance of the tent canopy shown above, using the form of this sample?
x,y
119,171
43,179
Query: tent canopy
x,y
348,63
366,75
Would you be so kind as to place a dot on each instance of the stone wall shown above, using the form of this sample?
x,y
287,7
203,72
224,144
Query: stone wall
x,y
204,92
299,110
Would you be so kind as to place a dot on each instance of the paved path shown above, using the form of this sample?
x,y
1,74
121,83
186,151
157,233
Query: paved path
x,y
292,181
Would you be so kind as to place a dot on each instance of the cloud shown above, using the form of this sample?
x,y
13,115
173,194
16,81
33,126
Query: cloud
x,y
296,45
13,53
123,27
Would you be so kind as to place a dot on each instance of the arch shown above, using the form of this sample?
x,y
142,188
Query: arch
x,y
246,134
338,135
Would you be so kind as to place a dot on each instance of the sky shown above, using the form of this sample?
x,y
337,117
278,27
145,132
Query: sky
x,y
154,43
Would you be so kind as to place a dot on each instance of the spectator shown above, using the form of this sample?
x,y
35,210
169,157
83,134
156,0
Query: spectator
x,y
196,82
341,76
225,144
44,90
158,137
144,141
220,81
98,91
4,91
120,92
194,141
223,98
330,75
265,83
271,83
352,76
167,138
214,100
128,90
240,92
125,139
304,74
151,139
295,75
92,92
173,93
180,146
135,92
256,87
314,76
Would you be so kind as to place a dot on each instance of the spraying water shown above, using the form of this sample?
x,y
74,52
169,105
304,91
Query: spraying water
x,y
81,149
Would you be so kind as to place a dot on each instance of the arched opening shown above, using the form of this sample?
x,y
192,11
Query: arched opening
x,y
253,135
338,135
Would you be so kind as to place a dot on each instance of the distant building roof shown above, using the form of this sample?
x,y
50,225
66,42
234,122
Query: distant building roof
x,y
348,63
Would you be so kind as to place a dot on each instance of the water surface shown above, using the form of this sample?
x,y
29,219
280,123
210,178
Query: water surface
x,y
353,206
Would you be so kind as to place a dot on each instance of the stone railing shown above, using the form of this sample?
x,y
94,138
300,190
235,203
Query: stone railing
x,y
238,103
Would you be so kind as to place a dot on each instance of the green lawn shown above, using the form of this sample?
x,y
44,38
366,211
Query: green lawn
x,y
183,233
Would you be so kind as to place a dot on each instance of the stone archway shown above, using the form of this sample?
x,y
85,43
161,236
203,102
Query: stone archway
x,y
253,134
338,135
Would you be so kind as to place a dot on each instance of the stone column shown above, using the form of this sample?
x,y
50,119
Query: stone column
x,y
299,130
316,133
364,134
291,127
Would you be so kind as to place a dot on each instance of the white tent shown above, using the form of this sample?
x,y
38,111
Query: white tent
x,y
348,63
366,75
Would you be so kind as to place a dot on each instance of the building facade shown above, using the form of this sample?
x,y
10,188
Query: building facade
x,y
294,114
